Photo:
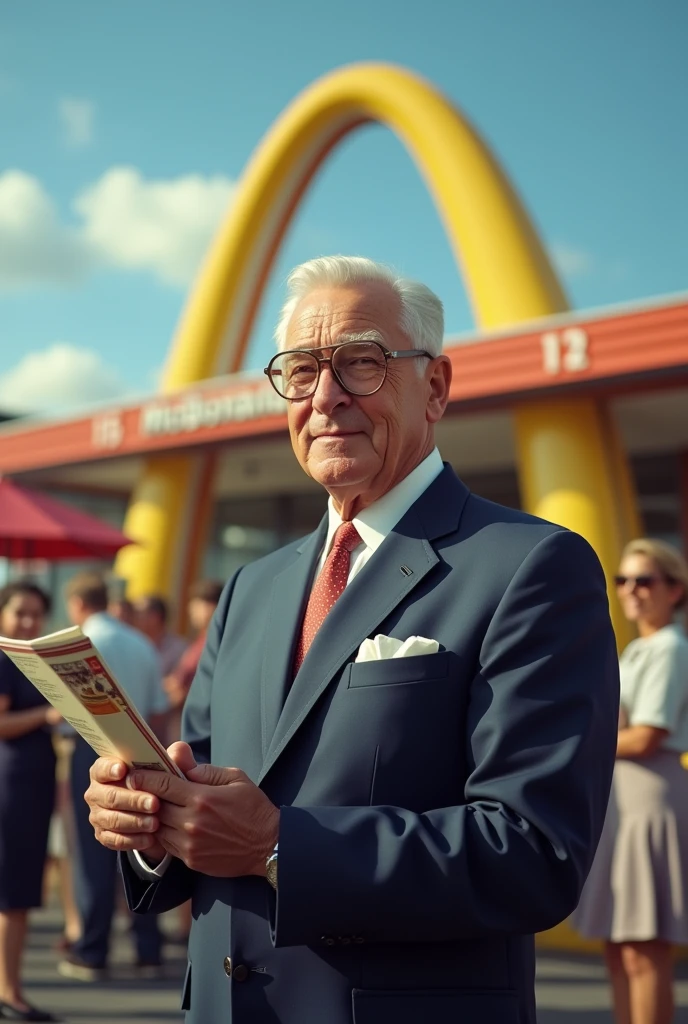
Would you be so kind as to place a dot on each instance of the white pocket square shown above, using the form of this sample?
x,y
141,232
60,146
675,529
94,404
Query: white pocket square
x,y
389,647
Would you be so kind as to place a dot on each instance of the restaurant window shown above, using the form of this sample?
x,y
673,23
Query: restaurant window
x,y
244,529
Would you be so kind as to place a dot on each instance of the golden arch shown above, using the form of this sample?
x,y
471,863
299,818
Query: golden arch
x,y
570,465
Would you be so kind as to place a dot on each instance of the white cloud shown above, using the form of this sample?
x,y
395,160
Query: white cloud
x,y
60,378
35,247
572,262
163,227
77,118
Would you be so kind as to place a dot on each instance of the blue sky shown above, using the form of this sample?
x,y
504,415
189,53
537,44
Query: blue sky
x,y
124,126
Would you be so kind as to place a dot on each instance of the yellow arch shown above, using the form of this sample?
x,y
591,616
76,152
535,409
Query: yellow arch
x,y
568,457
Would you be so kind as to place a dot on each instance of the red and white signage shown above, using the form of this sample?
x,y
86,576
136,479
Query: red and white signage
x,y
612,352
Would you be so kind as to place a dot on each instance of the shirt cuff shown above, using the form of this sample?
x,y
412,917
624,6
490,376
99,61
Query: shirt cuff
x,y
145,871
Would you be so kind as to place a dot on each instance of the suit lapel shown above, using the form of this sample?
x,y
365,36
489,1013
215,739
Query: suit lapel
x,y
371,596
288,599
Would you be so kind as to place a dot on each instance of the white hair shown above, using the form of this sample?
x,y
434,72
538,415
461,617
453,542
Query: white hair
x,y
422,313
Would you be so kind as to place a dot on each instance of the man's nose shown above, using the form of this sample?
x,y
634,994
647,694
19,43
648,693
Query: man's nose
x,y
329,393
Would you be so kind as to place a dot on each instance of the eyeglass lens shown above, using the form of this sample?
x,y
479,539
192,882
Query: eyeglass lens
x,y
360,366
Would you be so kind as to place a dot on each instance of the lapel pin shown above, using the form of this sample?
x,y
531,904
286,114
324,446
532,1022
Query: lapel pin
x,y
406,571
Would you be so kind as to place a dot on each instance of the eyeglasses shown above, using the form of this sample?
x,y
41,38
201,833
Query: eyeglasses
x,y
360,367
642,582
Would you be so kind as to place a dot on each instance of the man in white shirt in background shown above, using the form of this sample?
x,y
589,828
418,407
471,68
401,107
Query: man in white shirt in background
x,y
151,617
136,664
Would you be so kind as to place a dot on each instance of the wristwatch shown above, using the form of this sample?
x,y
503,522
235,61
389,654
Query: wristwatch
x,y
271,868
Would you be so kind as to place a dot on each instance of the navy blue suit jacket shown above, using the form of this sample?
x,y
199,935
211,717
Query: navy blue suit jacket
x,y
436,810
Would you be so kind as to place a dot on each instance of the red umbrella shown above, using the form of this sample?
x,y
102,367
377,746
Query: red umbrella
x,y
32,525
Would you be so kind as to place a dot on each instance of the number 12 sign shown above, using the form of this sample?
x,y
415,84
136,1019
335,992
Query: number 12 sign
x,y
565,351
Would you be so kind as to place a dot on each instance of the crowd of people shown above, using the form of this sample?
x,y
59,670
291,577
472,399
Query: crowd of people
x,y
635,897
44,772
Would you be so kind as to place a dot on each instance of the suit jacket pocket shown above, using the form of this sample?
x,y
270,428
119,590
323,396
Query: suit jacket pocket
x,y
441,1006
419,668
186,989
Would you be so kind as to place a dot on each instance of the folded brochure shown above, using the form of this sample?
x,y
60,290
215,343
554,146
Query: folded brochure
x,y
73,676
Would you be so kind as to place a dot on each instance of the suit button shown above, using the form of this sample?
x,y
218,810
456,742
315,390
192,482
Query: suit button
x,y
240,972
227,964
327,940
358,939
345,940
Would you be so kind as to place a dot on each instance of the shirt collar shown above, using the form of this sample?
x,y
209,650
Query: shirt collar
x,y
671,627
380,518
96,619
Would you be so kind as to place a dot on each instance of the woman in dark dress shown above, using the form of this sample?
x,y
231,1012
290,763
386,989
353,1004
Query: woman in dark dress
x,y
27,791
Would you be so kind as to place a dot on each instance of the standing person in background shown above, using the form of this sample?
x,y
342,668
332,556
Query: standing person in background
x,y
151,616
122,609
61,844
27,784
636,897
203,600
135,662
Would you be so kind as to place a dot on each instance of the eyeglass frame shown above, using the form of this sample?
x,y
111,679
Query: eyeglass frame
x,y
415,353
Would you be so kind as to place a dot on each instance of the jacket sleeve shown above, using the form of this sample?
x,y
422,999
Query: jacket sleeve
x,y
176,885
541,741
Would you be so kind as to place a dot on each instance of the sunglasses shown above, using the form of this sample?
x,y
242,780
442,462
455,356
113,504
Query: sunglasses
x,y
642,582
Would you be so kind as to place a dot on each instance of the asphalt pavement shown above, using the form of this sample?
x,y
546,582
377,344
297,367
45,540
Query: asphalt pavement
x,y
570,989
574,990
124,997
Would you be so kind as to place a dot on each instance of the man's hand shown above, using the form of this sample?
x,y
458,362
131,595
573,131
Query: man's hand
x,y
122,818
218,822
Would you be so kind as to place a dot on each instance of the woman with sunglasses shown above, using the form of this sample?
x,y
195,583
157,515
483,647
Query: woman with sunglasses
x,y
636,897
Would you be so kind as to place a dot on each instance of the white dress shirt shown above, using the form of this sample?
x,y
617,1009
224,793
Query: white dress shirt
x,y
374,523
380,518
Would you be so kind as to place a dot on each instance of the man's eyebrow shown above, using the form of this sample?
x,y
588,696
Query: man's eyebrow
x,y
359,336
342,339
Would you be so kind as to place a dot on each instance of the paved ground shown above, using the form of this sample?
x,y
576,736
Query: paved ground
x,y
123,998
571,990
574,990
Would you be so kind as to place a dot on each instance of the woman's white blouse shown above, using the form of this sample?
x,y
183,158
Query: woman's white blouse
x,y
654,684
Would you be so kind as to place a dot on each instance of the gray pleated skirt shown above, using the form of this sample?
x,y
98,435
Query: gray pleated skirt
x,y
638,885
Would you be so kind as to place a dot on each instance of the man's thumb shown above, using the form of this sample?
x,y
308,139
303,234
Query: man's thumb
x,y
213,775
182,755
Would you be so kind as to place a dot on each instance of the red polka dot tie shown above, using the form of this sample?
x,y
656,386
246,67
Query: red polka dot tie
x,y
327,588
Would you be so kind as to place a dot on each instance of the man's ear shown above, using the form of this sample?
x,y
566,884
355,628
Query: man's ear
x,y
440,382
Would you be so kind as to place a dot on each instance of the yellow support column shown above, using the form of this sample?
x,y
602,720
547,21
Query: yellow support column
x,y
570,472
157,519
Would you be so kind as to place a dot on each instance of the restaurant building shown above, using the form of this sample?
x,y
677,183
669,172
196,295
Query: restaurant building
x,y
634,358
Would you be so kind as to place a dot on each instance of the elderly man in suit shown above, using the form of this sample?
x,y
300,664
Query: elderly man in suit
x,y
376,840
